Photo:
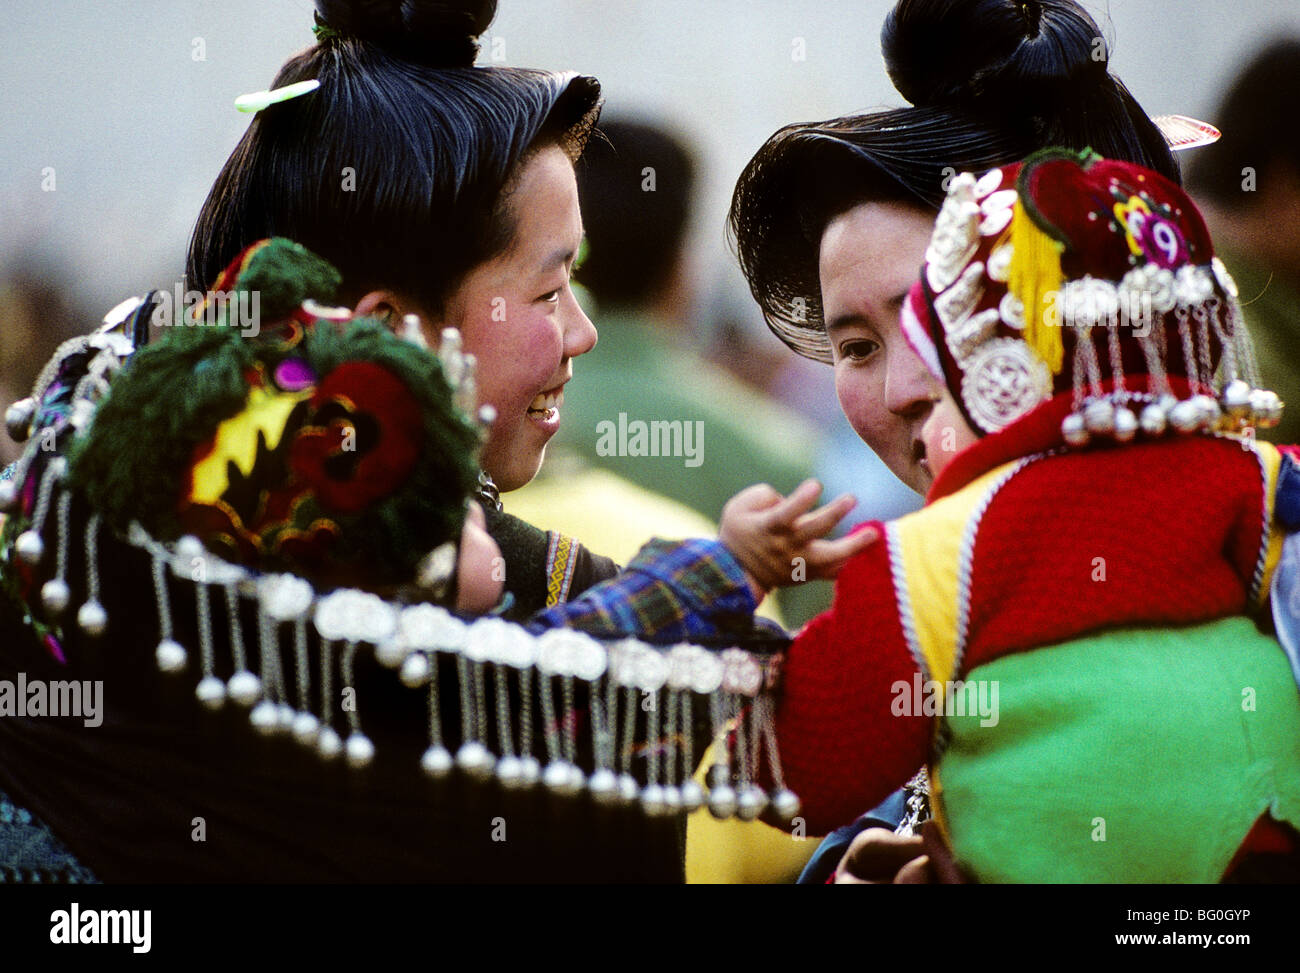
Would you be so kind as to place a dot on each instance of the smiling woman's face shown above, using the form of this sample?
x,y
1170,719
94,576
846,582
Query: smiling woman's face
x,y
520,319
870,257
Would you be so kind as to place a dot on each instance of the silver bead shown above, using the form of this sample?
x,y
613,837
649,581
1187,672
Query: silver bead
x,y
530,770
92,619
30,547
18,419
55,597
475,759
1185,417
437,762
211,692
305,728
1258,404
559,778
1271,413
603,785
415,670
244,688
264,717
359,749
170,656
785,803
1099,417
556,776
692,796
672,799
190,547
652,801
391,653
1074,431
1154,420
750,802
1126,424
627,789
1209,409
8,495
509,773
285,717
722,801
328,743
1236,398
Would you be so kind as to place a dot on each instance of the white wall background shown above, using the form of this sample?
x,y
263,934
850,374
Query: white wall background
x,y
108,94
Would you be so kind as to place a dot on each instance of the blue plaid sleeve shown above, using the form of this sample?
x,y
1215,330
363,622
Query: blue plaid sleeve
x,y
671,590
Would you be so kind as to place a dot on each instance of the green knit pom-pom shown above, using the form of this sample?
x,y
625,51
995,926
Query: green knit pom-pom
x,y
136,461
170,398
285,274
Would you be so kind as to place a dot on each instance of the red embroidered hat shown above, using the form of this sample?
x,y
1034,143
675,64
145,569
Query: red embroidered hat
x,y
287,435
1073,274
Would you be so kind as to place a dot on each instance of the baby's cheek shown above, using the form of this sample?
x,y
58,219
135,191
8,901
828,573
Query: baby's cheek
x,y
481,572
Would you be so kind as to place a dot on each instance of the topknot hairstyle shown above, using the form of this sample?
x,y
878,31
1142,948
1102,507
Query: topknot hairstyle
x,y
990,82
439,34
397,169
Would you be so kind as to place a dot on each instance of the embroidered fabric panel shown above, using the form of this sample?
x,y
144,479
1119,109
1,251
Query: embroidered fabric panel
x,y
29,852
561,558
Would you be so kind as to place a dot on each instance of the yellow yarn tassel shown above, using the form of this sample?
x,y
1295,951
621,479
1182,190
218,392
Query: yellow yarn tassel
x,y
1035,278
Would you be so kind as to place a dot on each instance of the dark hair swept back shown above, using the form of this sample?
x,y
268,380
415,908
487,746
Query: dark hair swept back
x,y
397,168
991,82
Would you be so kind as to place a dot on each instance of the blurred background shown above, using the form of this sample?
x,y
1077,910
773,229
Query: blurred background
x,y
118,115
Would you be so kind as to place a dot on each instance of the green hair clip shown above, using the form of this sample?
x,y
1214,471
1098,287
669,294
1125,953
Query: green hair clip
x,y
265,99
323,31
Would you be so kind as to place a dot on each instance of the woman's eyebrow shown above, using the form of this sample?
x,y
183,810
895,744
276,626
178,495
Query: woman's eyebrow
x,y
850,319
558,258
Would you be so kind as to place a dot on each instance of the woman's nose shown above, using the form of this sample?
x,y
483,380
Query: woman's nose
x,y
910,389
579,332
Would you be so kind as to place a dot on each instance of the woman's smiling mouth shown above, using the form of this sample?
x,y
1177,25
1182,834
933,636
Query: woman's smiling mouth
x,y
545,409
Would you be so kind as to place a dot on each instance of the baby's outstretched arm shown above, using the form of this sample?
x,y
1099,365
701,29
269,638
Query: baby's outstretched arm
x,y
780,541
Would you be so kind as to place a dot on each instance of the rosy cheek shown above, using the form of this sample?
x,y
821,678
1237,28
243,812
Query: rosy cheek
x,y
861,403
547,340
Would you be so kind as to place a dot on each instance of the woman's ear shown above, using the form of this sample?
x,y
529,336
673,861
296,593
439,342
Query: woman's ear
x,y
382,304
394,310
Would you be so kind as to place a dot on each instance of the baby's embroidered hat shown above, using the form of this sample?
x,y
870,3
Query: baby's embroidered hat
x,y
1073,276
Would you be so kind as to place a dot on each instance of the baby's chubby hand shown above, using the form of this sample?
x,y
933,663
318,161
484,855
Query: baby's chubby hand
x,y
779,541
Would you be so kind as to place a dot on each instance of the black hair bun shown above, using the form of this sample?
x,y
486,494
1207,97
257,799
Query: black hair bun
x,y
440,33
993,54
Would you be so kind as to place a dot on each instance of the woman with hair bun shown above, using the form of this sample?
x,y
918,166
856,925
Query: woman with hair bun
x,y
284,510
831,219
991,81
442,190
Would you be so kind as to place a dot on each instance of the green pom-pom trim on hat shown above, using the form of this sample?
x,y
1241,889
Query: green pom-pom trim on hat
x,y
284,274
165,402
136,459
